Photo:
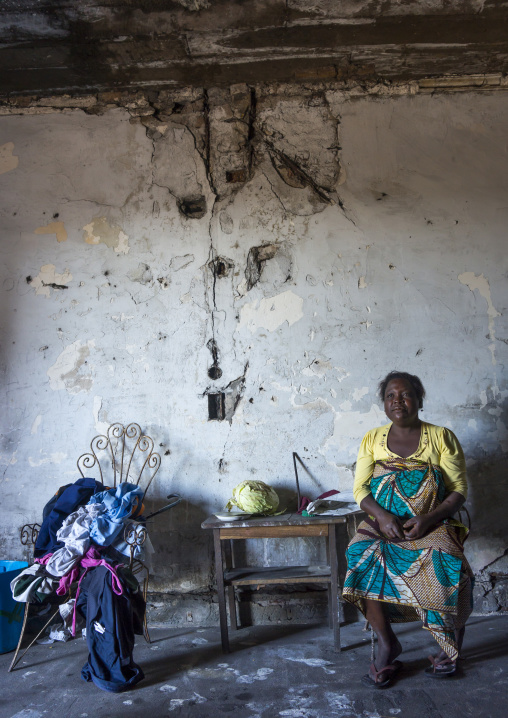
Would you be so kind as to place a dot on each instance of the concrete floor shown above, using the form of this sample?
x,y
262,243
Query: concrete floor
x,y
271,671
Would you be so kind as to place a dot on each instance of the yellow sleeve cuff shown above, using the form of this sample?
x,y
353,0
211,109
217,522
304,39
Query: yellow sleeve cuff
x,y
364,468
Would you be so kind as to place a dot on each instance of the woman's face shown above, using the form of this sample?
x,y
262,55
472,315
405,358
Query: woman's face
x,y
401,402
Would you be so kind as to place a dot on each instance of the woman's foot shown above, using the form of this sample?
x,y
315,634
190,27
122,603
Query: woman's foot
x,y
387,652
442,666
385,666
383,677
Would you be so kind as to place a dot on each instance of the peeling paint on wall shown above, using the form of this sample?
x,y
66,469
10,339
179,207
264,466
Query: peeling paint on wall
x,y
55,458
271,312
480,283
57,228
101,427
99,231
351,424
318,367
8,161
36,424
49,279
178,263
360,392
71,370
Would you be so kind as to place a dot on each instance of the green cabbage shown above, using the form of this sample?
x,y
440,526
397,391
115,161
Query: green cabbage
x,y
254,497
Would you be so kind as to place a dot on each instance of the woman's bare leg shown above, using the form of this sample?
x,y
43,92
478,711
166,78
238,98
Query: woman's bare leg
x,y
388,647
459,638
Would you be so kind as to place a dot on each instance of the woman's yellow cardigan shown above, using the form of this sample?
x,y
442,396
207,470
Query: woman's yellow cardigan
x,y
438,445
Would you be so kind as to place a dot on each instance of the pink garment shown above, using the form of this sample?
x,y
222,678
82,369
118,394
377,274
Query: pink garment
x,y
43,559
91,559
67,580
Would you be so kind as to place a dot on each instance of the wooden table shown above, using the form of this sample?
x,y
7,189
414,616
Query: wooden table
x,y
287,525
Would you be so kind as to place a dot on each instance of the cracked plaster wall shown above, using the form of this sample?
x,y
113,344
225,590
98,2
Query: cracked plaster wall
x,y
284,246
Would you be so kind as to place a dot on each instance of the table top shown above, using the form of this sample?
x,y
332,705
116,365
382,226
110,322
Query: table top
x,y
285,519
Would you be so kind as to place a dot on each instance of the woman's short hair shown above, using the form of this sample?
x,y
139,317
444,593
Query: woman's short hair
x,y
411,378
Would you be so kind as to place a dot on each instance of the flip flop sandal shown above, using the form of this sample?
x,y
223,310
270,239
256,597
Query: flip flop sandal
x,y
441,669
373,682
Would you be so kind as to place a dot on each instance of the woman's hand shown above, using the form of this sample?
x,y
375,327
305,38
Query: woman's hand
x,y
418,526
391,526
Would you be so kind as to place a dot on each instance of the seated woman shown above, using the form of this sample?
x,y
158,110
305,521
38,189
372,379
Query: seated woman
x,y
406,561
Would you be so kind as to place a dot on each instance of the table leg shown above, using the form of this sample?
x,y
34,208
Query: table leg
x,y
219,575
230,562
329,589
334,578
232,607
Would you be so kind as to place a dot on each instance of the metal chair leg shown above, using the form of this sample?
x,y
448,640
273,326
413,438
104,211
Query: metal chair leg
x,y
16,660
145,621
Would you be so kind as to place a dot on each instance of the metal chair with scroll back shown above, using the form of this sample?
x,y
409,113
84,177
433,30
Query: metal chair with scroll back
x,y
123,454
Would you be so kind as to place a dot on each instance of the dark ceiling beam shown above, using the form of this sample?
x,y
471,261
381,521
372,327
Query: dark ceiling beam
x,y
95,46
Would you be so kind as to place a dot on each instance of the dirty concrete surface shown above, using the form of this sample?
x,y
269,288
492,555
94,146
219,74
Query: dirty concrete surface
x,y
289,671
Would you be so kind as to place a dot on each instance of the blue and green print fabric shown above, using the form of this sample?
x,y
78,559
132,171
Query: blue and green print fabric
x,y
426,579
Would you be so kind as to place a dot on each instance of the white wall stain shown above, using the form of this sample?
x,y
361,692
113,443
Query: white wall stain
x,y
100,426
122,317
280,387
359,393
55,458
8,459
99,231
69,372
178,263
362,283
49,279
272,312
319,367
56,228
8,161
350,427
241,289
342,373
36,424
480,283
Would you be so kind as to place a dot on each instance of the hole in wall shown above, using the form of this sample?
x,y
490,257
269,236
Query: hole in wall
x,y
236,176
221,267
193,207
216,407
215,372
255,262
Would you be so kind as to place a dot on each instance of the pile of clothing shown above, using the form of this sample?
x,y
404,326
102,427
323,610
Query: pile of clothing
x,y
81,550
